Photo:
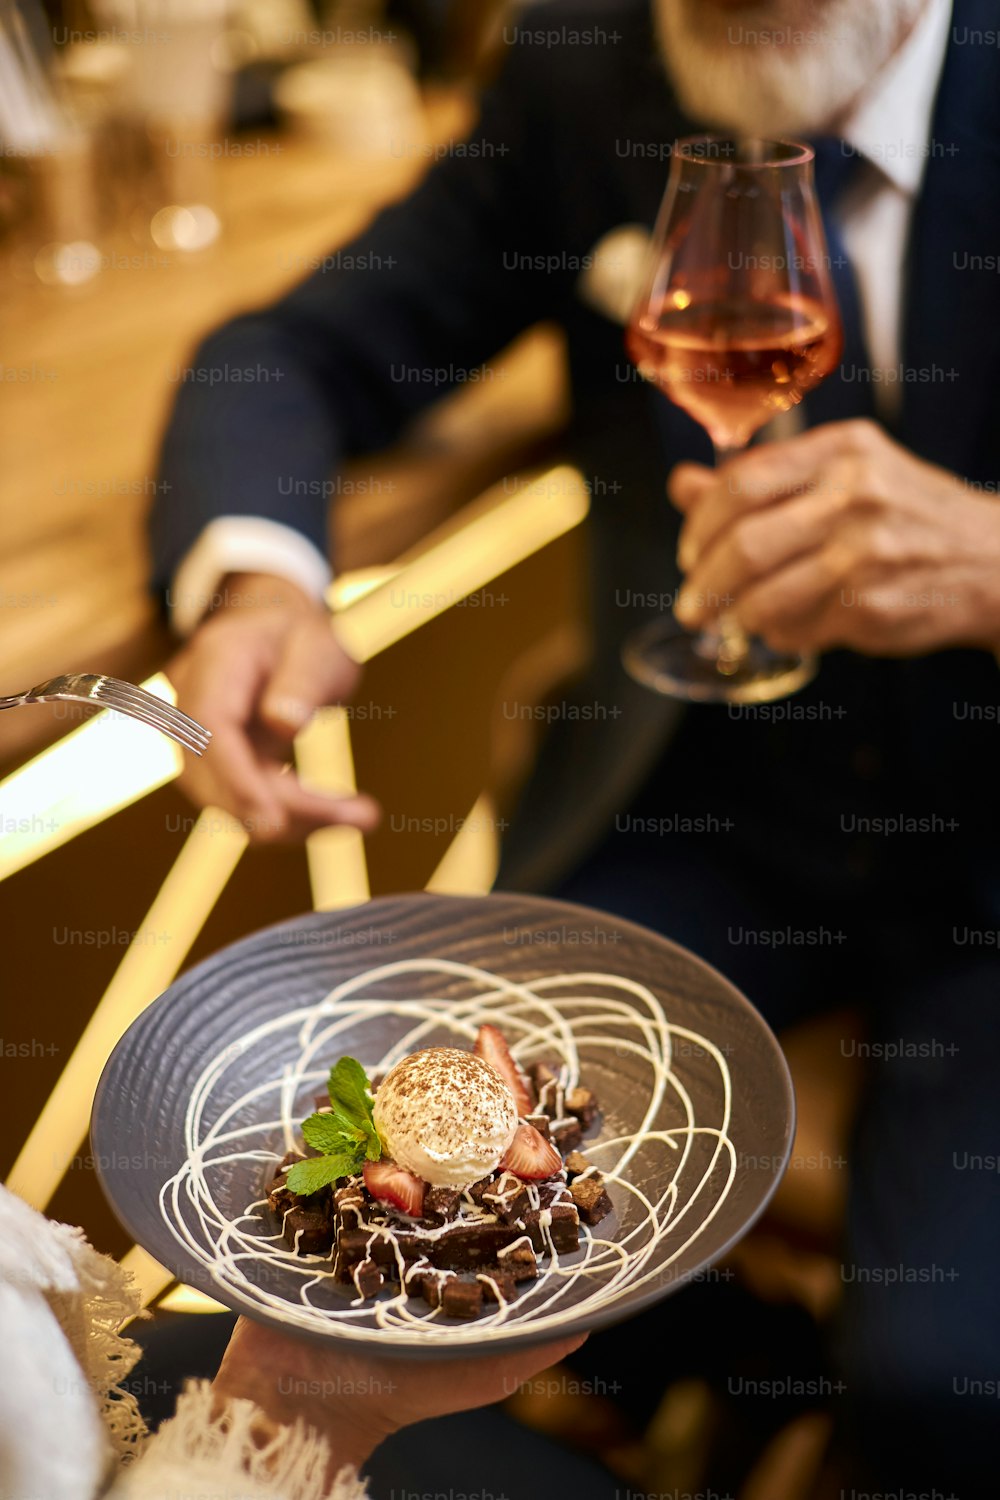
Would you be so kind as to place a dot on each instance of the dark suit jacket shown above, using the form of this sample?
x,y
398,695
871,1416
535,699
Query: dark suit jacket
x,y
573,142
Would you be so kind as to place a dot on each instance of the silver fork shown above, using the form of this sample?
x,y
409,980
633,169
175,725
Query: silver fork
x,y
122,698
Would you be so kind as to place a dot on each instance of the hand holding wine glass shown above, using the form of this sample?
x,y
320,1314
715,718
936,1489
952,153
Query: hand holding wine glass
x,y
737,321
840,537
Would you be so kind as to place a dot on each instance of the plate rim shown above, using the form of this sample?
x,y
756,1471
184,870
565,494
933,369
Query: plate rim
x,y
391,1346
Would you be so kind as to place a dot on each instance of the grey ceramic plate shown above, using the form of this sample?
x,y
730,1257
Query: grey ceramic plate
x,y
202,1094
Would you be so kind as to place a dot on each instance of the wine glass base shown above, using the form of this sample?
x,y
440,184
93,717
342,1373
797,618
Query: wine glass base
x,y
667,659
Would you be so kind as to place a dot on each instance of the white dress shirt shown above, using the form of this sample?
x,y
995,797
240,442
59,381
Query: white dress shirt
x,y
242,544
890,127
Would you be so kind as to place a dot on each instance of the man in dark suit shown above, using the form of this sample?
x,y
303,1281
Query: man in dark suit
x,y
858,819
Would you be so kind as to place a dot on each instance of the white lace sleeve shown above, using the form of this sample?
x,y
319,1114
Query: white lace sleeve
x,y
233,1456
70,1427
64,1358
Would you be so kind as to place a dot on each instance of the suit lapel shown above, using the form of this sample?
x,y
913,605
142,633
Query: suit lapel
x,y
951,333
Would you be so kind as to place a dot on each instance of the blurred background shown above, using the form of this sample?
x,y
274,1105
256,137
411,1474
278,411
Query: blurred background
x,y
166,164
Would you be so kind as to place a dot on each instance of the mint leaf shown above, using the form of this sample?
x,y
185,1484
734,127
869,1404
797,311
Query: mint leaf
x,y
345,1134
332,1134
309,1176
350,1096
350,1092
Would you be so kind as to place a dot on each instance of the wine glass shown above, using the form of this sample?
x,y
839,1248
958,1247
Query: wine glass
x,y
736,322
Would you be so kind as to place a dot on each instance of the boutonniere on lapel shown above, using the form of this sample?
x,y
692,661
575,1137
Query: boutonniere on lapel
x,y
611,279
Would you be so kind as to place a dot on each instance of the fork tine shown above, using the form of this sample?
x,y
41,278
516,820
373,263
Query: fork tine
x,y
116,692
164,726
136,709
158,718
197,747
117,684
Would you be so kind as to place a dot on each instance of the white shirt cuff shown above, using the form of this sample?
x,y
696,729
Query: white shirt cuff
x,y
242,544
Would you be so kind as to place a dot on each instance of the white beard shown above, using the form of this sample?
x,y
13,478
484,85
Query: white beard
x,y
778,67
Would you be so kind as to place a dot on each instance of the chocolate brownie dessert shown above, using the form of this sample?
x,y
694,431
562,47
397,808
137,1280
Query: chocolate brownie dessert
x,y
461,1247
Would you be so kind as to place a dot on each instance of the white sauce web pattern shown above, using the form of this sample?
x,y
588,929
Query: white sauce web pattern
x,y
554,1017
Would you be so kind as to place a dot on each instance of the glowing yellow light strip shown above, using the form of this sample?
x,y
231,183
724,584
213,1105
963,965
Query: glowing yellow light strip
x,y
149,1276
75,783
347,588
152,1280
505,526
185,1299
192,887
468,866
338,870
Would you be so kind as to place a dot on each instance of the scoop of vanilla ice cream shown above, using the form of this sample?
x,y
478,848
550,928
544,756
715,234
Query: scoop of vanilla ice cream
x,y
446,1116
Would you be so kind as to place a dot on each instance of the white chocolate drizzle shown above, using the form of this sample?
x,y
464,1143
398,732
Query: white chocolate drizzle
x,y
555,1018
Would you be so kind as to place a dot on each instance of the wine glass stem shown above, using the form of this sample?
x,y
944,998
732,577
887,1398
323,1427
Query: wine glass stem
x,y
726,642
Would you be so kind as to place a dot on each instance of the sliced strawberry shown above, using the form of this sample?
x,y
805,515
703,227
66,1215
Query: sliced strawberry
x,y
491,1046
390,1184
530,1156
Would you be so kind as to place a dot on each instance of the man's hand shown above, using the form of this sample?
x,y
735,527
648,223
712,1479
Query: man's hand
x,y
253,672
356,1398
840,537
